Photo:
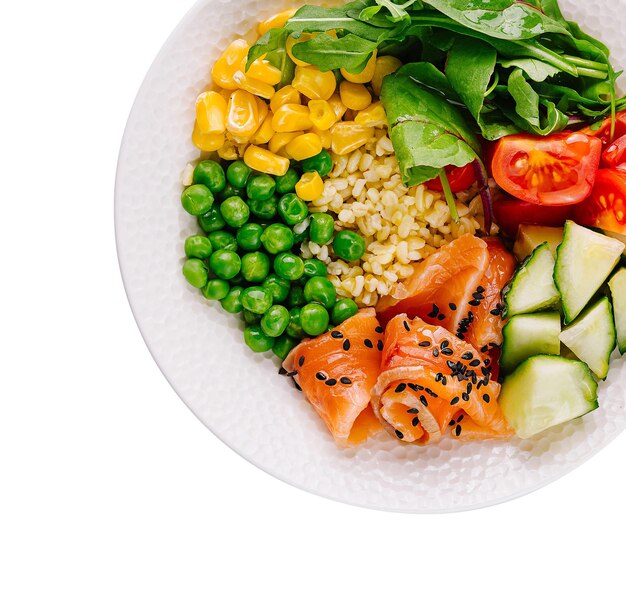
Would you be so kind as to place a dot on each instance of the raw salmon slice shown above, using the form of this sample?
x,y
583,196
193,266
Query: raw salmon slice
x,y
432,382
337,371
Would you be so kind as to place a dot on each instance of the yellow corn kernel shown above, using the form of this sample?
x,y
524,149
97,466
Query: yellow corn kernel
x,y
291,118
287,95
355,96
304,146
322,114
265,133
228,151
373,116
385,65
211,112
313,83
263,109
337,106
276,21
310,186
364,76
279,140
233,59
242,118
263,71
326,137
265,161
252,85
348,136
207,142
291,41
238,140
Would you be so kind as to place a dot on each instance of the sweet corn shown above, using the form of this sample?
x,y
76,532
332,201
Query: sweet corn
x,y
264,161
373,116
243,114
304,146
263,71
233,59
310,186
365,75
292,118
285,96
252,85
291,41
313,83
354,96
348,136
207,142
211,112
279,140
263,109
276,21
228,151
265,133
322,114
326,137
337,106
385,65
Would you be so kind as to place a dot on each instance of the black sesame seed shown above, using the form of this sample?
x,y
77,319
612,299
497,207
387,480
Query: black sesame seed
x,y
399,434
474,363
301,361
484,349
480,289
495,312
458,430
452,306
447,351
379,330
336,334
425,344
478,296
320,376
460,418
435,352
346,345
346,381
441,317
412,411
415,422
452,423
423,400
368,344
379,345
474,303
465,396
444,381
487,362
452,365
406,326
444,343
413,387
438,377
331,382
469,387
486,398
400,388
454,401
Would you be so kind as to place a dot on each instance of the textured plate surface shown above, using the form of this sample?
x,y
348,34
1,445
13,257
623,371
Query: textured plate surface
x,y
239,395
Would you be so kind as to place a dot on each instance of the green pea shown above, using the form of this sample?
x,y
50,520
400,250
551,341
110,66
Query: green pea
x,y
249,237
294,328
275,321
225,264
278,287
257,340
289,266
231,191
322,228
314,268
195,273
255,266
283,346
264,210
211,174
287,182
212,220
216,289
221,240
343,310
292,209
261,187
251,317
322,163
198,247
197,199
296,299
348,245
232,302
257,299
277,238
314,319
235,212
238,174
320,290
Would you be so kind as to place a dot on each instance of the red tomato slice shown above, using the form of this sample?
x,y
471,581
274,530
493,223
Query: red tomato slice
x,y
460,179
615,155
558,169
606,208
604,130
510,213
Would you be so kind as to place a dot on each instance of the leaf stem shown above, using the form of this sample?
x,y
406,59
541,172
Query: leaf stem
x,y
579,61
592,73
443,177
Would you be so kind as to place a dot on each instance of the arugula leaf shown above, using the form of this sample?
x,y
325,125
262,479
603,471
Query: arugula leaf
x,y
272,45
535,69
428,76
428,133
398,12
329,53
525,97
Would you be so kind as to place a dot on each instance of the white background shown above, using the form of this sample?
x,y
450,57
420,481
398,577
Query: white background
x,y
107,481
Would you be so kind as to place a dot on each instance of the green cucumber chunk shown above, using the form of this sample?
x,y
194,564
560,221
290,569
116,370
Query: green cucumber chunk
x,y
617,285
528,335
530,237
592,337
584,260
545,391
532,287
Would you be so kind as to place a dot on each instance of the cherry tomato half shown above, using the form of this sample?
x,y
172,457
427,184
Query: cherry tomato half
x,y
615,155
603,131
606,208
558,169
460,179
510,213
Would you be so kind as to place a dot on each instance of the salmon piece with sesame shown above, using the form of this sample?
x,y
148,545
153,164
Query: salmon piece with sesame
x,y
337,371
432,383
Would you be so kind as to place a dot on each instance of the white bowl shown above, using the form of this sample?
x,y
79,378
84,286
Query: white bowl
x,y
239,395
